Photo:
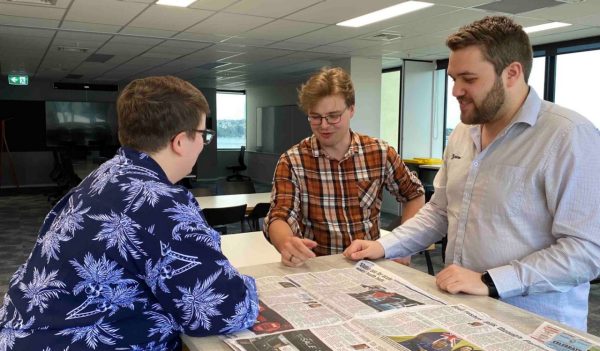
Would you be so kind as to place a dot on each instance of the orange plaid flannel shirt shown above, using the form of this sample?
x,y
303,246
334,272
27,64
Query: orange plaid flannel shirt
x,y
334,202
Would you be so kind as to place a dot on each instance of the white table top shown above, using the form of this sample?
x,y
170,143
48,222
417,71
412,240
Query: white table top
x,y
520,319
219,201
250,249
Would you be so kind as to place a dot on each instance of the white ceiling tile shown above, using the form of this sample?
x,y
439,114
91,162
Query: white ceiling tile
x,y
214,5
291,45
48,12
28,21
125,39
169,18
330,34
270,8
566,12
282,29
229,24
26,32
557,37
179,47
148,32
241,40
106,11
90,27
461,3
207,37
332,49
334,11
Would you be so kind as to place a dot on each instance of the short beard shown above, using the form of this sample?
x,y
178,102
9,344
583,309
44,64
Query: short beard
x,y
488,110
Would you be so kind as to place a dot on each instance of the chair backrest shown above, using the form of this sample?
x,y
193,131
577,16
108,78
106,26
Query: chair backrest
x,y
241,156
229,188
225,215
259,211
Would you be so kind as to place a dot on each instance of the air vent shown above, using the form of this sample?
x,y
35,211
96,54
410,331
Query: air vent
x,y
383,36
101,58
36,2
72,49
74,76
519,6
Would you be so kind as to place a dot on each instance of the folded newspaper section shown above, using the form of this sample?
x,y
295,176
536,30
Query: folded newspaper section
x,y
559,339
367,308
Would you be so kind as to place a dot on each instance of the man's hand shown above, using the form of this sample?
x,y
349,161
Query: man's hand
x,y
295,251
361,249
455,279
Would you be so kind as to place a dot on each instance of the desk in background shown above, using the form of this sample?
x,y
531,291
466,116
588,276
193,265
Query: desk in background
x,y
219,201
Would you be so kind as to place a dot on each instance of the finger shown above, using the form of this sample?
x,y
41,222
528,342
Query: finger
x,y
285,259
309,243
359,255
299,250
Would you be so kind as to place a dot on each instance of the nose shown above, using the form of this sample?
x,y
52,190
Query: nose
x,y
457,90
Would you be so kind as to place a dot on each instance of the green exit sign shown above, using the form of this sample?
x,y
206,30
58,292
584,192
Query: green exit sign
x,y
18,79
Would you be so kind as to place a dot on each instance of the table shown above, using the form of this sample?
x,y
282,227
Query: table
x,y
219,201
248,249
520,319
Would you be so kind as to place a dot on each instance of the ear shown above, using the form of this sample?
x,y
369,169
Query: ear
x,y
514,74
178,142
351,110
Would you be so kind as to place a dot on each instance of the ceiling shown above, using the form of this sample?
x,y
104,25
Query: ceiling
x,y
230,44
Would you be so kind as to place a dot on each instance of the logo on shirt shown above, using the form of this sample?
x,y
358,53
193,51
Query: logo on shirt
x,y
455,156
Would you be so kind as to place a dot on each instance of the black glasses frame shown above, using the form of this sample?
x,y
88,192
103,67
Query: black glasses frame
x,y
331,118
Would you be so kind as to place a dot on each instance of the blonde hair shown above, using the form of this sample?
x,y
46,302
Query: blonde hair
x,y
328,81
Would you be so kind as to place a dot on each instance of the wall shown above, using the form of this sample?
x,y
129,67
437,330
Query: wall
x,y
262,165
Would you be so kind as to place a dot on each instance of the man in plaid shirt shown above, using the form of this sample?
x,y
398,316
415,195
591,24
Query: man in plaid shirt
x,y
328,189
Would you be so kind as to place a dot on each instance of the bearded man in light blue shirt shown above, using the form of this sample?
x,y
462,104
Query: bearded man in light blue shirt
x,y
518,193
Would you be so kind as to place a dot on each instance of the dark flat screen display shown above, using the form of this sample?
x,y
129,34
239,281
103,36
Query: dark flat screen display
x,y
91,124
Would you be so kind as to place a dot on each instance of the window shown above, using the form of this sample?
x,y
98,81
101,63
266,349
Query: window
x,y
390,107
577,76
536,78
231,120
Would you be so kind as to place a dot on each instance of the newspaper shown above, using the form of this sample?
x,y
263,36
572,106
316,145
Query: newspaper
x,y
559,339
366,308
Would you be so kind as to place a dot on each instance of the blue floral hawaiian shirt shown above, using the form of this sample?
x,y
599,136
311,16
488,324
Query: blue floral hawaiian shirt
x,y
125,261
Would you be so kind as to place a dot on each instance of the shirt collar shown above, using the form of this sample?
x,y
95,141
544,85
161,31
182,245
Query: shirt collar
x,y
353,149
142,159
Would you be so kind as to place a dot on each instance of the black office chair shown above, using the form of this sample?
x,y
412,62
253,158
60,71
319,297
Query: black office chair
x,y
259,211
218,218
230,188
236,176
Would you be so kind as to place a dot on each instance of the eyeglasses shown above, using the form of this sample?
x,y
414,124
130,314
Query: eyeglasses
x,y
332,118
207,135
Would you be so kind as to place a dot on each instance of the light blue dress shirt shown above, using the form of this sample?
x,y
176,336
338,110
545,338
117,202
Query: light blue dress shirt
x,y
526,209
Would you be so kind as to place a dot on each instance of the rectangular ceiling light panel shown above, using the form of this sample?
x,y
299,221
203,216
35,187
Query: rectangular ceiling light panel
x,y
386,13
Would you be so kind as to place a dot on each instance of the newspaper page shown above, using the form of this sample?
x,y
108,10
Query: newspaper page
x,y
366,308
418,328
559,339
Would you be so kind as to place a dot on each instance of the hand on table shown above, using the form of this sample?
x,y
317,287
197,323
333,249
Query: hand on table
x,y
295,251
456,279
361,249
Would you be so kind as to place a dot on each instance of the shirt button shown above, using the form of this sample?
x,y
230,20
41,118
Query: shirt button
x,y
476,164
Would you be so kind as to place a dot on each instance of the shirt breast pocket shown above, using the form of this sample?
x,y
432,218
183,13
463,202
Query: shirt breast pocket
x,y
504,190
368,194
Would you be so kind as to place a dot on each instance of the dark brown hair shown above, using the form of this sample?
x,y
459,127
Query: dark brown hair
x,y
501,40
152,110
328,81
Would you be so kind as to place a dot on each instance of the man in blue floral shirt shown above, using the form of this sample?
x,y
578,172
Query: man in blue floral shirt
x,y
125,261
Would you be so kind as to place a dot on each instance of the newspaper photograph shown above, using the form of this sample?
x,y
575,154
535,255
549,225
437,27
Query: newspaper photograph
x,y
559,339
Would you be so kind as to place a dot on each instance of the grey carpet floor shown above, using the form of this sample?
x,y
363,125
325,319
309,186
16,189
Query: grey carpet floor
x,y
21,217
